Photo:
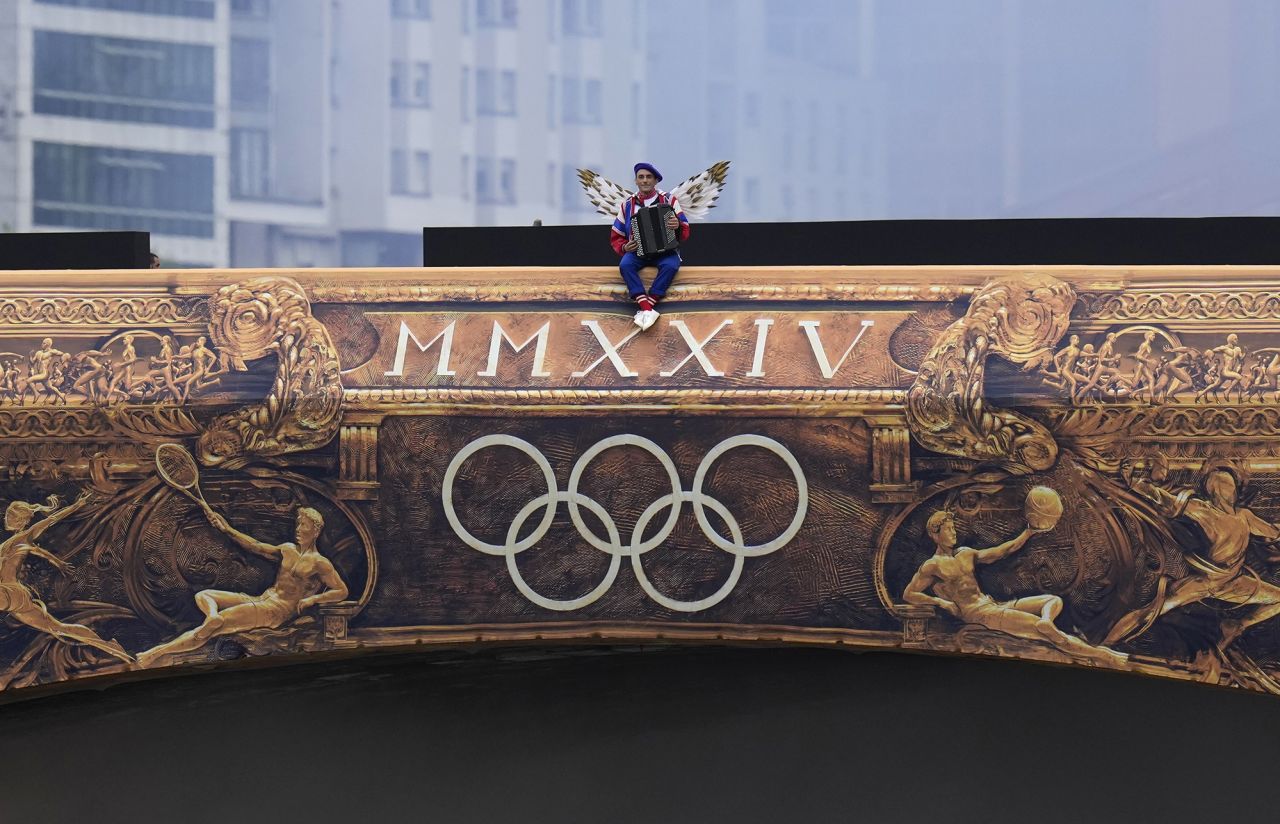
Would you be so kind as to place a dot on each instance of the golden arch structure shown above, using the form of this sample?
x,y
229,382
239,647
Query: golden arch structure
x,y
1066,464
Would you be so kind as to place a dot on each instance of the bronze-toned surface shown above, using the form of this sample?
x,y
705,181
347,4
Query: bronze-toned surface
x,y
1072,464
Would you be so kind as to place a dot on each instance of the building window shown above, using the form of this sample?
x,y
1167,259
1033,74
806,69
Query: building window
x,y
111,78
399,172
422,84
507,92
250,74
486,191
584,18
496,92
397,80
411,91
495,182
484,91
569,98
551,102
410,173
203,9
422,173
496,13
250,163
93,187
593,111
583,101
255,9
507,182
412,9
466,94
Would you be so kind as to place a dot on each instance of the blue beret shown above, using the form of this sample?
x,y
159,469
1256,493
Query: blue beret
x,y
650,167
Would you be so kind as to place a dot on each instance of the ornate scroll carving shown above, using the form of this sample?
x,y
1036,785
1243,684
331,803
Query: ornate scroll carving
x,y
1017,318
256,318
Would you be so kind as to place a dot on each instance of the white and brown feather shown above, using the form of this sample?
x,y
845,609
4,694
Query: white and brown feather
x,y
604,194
697,195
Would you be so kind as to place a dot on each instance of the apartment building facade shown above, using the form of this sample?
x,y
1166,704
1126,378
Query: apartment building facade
x,y
300,133
112,118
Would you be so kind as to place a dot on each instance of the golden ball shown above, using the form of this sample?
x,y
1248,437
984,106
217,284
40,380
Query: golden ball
x,y
1043,508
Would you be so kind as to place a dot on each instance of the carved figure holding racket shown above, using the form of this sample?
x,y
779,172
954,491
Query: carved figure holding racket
x,y
305,578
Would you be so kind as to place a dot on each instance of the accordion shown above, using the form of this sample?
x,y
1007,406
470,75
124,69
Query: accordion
x,y
649,230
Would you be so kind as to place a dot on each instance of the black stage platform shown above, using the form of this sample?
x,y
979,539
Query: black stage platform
x,y
1110,241
75,250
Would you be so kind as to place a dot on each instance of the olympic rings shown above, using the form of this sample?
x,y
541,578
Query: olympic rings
x,y
612,544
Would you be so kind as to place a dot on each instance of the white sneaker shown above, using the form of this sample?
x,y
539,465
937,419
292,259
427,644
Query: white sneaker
x,y
647,318
638,319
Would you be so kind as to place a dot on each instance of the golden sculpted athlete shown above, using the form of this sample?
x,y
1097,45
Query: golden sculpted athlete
x,y
17,601
951,575
305,579
43,373
1220,573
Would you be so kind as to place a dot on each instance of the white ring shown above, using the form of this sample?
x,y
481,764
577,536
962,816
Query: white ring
x,y
613,545
576,476
447,494
802,497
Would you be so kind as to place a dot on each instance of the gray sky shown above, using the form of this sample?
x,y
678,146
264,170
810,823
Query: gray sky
x,y
988,108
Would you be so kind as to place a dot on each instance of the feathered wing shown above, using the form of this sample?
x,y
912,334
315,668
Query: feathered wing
x,y
604,194
698,194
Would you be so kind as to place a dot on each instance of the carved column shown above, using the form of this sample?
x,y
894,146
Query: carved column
x,y
915,620
891,460
358,457
334,623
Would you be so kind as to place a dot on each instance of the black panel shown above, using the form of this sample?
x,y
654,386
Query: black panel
x,y
1116,241
75,250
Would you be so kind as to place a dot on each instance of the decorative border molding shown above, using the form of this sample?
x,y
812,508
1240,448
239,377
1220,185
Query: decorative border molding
x,y
86,310
1173,305
851,402
729,291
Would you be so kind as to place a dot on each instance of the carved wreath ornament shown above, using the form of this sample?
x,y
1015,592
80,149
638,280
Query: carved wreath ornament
x,y
256,318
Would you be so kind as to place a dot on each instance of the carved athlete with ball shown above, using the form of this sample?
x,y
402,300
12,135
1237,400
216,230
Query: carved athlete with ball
x,y
951,575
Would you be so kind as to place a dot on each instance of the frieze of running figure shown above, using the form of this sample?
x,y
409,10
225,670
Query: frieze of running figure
x,y
115,373
1163,370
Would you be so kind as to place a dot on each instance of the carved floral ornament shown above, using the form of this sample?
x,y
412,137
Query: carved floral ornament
x,y
1020,468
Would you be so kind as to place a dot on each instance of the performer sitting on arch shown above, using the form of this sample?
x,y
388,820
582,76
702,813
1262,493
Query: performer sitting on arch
x,y
667,263
692,199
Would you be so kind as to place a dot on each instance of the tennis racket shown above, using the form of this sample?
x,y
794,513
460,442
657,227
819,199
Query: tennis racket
x,y
178,469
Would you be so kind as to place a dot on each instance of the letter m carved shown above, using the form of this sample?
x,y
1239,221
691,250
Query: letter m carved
x,y
539,351
445,339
